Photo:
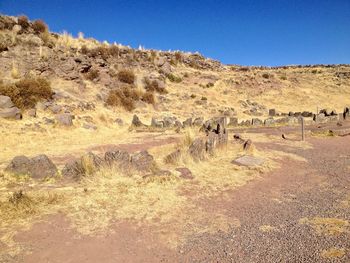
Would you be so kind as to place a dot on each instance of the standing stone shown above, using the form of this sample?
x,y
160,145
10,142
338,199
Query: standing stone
x,y
272,112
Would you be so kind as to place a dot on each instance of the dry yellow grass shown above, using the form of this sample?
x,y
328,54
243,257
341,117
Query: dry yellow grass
x,y
327,226
333,253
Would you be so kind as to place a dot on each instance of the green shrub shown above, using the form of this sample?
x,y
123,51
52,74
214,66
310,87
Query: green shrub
x,y
25,93
126,76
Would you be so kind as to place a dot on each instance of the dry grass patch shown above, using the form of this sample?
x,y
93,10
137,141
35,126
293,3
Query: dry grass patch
x,y
333,253
327,226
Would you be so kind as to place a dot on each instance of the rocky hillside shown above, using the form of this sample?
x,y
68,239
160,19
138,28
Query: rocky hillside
x,y
85,74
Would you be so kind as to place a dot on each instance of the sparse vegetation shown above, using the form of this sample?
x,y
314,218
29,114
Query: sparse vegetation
x,y
26,92
126,76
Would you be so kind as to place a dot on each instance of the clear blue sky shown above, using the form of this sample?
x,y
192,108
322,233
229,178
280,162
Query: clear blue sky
x,y
246,32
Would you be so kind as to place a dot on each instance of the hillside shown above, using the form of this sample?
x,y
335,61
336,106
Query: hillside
x,y
167,156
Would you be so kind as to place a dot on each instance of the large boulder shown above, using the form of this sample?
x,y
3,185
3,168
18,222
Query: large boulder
x,y
37,167
187,123
142,161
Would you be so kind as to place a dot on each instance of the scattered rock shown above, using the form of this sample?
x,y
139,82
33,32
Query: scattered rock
x,y
89,126
142,161
119,121
198,121
185,173
248,160
11,113
65,119
5,102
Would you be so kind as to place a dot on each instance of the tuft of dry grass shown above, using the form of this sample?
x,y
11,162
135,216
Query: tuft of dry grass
x,y
333,253
327,226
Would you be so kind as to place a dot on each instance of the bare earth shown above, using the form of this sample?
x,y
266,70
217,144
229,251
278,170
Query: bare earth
x,y
298,213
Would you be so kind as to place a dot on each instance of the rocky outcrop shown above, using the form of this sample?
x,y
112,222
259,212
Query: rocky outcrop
x,y
37,167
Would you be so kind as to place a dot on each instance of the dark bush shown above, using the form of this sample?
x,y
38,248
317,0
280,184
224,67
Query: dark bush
x,y
124,97
84,50
126,76
39,26
27,92
266,75
148,97
23,22
92,74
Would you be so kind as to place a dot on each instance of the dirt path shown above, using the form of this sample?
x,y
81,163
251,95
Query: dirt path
x,y
297,213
